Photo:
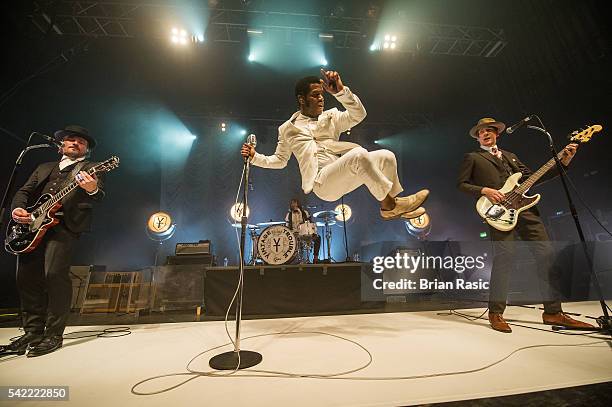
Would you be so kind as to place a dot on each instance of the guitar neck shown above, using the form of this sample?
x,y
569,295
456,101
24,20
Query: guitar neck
x,y
533,178
62,193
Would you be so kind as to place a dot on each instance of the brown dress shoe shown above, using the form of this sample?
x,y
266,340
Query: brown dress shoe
x,y
561,318
498,323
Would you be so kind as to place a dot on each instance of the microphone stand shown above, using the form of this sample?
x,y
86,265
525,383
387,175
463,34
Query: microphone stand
x,y
14,172
344,227
605,322
239,359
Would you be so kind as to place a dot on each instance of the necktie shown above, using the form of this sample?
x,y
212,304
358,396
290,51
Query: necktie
x,y
496,152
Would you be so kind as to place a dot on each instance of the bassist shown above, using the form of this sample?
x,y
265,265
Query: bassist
x,y
484,172
43,280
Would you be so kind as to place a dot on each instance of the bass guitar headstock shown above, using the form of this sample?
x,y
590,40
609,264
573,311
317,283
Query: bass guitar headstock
x,y
584,136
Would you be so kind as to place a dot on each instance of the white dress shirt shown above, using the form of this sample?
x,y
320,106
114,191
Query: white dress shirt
x,y
67,161
314,143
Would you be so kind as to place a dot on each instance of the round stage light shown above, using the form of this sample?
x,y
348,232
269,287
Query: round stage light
x,y
348,212
160,226
159,222
236,212
419,227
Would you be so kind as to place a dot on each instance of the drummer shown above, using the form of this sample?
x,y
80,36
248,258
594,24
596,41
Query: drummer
x,y
297,215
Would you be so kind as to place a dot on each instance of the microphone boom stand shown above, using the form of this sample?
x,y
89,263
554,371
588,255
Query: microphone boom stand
x,y
605,322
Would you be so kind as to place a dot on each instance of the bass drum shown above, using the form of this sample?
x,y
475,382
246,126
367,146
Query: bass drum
x,y
277,245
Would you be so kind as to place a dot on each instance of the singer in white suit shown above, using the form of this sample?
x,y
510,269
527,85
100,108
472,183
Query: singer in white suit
x,y
329,167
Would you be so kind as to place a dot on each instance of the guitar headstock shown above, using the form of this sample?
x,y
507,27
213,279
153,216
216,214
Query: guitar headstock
x,y
107,165
584,136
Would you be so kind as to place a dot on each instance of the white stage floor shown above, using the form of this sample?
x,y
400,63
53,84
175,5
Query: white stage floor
x,y
102,371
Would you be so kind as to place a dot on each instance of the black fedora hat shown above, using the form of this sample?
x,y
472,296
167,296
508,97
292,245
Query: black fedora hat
x,y
76,130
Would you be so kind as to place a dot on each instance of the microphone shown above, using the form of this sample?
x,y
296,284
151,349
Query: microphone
x,y
518,125
51,140
252,140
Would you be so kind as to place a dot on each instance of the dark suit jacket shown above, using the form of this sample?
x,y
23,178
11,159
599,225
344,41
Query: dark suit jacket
x,y
77,206
480,169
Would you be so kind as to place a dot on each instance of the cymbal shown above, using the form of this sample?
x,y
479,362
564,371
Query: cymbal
x,y
325,214
248,226
271,223
329,223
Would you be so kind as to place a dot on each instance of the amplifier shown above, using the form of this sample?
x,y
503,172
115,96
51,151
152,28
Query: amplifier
x,y
202,259
198,248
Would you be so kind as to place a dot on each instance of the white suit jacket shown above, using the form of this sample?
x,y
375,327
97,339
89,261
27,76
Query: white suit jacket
x,y
302,144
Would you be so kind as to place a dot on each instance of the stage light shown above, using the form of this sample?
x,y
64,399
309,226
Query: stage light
x,y
326,36
236,212
484,235
222,126
419,227
376,141
160,226
192,137
251,58
348,212
178,36
324,62
243,132
200,38
373,47
390,42
254,31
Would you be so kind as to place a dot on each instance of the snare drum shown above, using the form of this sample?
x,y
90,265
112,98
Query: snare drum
x,y
307,229
277,245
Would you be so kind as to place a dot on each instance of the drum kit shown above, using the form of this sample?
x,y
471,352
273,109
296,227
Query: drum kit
x,y
274,243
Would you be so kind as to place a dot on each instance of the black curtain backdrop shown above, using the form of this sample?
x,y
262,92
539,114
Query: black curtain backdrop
x,y
557,64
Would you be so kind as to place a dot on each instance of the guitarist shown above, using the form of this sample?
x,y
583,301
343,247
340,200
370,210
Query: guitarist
x,y
43,279
484,172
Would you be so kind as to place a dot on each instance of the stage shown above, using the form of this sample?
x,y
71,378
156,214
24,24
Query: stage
x,y
102,371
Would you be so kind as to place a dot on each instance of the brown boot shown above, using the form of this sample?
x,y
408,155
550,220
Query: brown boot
x,y
561,318
498,323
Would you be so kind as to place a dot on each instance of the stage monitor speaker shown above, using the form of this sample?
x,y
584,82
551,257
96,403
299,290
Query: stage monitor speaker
x,y
179,287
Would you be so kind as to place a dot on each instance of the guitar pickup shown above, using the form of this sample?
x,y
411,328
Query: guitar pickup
x,y
495,212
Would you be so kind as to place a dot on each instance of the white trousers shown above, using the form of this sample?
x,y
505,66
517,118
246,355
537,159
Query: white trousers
x,y
377,170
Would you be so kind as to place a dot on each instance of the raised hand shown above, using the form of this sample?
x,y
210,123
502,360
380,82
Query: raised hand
x,y
331,81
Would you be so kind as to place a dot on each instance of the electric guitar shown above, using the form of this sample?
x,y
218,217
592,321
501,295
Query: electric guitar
x,y
22,237
504,215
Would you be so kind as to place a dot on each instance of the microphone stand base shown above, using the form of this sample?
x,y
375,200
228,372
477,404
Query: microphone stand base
x,y
229,360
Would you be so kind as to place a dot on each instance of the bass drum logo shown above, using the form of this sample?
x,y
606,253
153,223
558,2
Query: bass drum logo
x,y
277,245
